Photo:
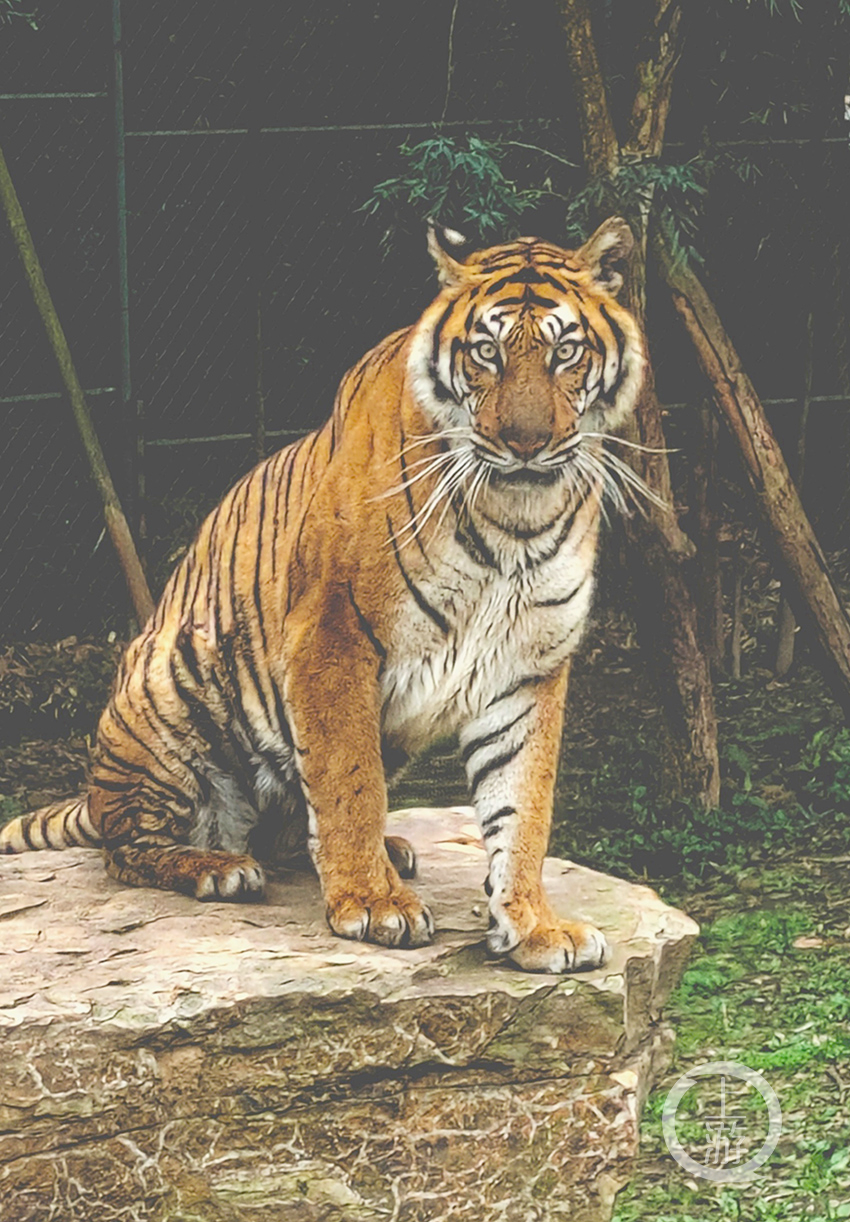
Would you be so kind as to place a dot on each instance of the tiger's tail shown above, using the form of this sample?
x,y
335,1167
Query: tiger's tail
x,y
63,825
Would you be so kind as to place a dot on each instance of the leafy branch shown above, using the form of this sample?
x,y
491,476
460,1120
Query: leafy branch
x,y
461,182
458,181
9,9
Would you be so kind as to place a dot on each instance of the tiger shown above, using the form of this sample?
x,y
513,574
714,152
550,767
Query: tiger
x,y
419,567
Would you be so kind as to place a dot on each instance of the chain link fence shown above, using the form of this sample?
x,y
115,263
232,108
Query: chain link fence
x,y
245,139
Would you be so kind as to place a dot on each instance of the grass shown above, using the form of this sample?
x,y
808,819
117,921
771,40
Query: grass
x,y
770,987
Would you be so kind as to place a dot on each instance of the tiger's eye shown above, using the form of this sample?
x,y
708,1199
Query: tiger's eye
x,y
566,353
486,350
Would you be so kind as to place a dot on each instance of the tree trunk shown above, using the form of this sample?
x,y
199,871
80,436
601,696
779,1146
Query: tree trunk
x,y
776,495
665,608
599,140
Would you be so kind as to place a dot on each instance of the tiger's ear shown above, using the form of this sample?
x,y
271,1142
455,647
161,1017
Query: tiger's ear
x,y
606,253
440,242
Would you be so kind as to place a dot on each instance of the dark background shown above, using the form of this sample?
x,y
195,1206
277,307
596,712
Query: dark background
x,y
254,134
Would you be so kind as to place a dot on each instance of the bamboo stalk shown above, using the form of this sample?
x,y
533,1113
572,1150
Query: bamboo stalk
x,y
709,590
737,615
116,522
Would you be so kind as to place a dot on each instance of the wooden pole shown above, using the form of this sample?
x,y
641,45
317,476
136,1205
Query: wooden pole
x,y
116,522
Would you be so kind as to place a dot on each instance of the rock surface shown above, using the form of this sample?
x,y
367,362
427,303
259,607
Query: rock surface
x,y
168,1061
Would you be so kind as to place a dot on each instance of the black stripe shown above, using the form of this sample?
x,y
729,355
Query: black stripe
x,y
467,535
67,836
493,765
359,373
51,844
418,597
568,526
181,578
289,473
247,656
525,275
172,790
556,284
25,831
188,656
294,555
112,786
619,337
512,254
258,563
442,393
562,602
393,348
490,831
438,330
280,712
506,301
518,686
179,731
538,299
476,744
366,626
226,752
497,815
526,533
221,748
81,831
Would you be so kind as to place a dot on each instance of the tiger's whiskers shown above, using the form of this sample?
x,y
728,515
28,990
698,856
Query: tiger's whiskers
x,y
632,445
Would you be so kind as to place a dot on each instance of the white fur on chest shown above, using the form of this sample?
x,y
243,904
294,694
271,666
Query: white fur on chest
x,y
503,628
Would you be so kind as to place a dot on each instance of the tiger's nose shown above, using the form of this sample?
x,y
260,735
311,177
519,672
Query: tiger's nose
x,y
525,443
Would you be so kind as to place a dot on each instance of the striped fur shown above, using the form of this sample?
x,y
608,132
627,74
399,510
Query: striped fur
x,y
420,566
59,826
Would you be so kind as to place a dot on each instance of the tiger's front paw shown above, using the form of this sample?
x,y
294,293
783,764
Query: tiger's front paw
x,y
565,946
549,945
399,919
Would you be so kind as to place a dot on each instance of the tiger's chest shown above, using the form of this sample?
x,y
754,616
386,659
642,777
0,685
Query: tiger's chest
x,y
469,632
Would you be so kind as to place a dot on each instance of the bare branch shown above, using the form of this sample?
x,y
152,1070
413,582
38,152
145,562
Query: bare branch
x,y
450,63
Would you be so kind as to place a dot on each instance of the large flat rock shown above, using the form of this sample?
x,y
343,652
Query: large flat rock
x,y
172,1061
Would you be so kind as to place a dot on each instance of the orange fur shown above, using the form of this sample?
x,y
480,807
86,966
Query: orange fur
x,y
422,564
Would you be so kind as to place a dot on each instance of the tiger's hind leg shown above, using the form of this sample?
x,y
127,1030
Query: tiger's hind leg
x,y
206,874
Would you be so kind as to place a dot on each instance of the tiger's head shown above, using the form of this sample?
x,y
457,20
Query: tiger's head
x,y
526,351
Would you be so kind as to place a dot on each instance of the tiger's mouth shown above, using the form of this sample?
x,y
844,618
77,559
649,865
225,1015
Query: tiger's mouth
x,y
544,468
529,475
